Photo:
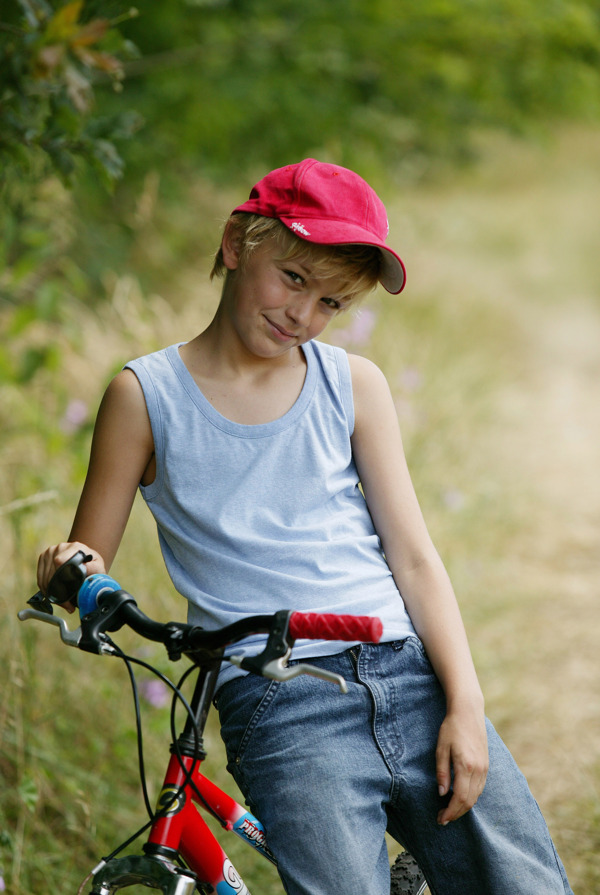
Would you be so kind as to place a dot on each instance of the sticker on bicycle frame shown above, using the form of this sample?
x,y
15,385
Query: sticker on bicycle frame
x,y
232,883
248,828
170,801
251,829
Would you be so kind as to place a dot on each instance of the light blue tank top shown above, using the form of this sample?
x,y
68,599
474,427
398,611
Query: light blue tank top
x,y
253,519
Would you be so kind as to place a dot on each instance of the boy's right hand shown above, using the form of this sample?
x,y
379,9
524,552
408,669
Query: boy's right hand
x,y
58,554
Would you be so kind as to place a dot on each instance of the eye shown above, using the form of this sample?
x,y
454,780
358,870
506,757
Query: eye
x,y
295,277
332,303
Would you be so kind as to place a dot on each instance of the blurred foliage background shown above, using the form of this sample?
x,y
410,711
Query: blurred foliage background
x,y
126,136
221,90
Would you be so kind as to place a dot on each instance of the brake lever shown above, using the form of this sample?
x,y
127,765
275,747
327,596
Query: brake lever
x,y
71,638
278,670
68,637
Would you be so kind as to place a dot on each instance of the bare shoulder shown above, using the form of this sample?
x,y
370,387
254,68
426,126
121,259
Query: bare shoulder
x,y
364,371
125,387
123,412
124,395
372,395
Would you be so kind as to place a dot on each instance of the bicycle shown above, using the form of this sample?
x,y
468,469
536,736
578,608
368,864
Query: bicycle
x,y
181,855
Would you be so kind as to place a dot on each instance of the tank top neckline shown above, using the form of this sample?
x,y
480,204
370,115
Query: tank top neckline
x,y
244,430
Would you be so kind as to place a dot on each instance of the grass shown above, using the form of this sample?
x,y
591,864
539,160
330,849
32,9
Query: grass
x,y
491,355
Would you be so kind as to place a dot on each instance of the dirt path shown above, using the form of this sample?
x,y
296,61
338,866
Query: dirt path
x,y
553,434
522,234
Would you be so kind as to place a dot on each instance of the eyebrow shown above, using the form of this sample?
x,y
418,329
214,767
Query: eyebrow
x,y
301,264
308,271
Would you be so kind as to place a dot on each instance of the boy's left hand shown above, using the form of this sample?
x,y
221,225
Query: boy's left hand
x,y
461,749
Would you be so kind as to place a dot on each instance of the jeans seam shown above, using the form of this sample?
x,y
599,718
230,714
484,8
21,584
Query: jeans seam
x,y
257,715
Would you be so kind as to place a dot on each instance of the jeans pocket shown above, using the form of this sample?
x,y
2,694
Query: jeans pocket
x,y
242,703
398,645
416,655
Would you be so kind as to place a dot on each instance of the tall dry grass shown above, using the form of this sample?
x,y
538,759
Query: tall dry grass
x,y
492,354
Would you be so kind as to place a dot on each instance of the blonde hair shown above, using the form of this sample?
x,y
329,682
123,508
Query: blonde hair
x,y
357,266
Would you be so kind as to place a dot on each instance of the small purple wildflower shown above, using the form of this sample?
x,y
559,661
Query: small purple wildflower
x,y
359,331
2,884
74,417
155,693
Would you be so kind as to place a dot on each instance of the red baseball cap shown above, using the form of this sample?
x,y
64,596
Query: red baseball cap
x,y
330,205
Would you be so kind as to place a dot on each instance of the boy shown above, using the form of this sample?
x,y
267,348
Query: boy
x,y
249,444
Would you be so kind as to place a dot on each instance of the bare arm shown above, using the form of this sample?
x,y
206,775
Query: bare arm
x,y
122,451
424,585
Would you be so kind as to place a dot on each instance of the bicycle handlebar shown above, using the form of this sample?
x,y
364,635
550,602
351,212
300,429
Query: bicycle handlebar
x,y
308,625
105,607
324,626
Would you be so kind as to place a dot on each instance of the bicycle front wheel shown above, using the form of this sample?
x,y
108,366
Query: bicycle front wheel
x,y
407,878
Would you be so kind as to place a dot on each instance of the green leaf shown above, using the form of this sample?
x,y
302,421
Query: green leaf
x,y
108,158
29,793
64,23
32,360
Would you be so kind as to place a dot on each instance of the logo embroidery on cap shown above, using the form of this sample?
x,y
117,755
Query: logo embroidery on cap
x,y
300,228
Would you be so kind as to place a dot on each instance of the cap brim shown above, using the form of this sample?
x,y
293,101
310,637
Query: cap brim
x,y
328,232
393,274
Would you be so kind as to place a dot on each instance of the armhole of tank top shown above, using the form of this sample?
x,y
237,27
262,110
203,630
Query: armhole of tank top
x,y
345,380
151,491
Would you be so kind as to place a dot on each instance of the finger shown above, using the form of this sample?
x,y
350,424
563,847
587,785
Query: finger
x,y
467,788
458,805
443,768
54,557
46,568
454,809
41,564
66,551
96,564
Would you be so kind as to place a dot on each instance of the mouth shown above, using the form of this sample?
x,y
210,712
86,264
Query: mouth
x,y
280,332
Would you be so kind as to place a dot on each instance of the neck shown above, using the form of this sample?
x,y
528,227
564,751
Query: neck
x,y
223,354
219,355
242,387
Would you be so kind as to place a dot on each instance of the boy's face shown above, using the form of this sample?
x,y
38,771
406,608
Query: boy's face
x,y
277,305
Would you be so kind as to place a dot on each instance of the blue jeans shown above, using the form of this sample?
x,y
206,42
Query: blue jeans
x,y
328,774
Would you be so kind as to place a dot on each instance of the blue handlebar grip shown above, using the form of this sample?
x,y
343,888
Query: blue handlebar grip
x,y
90,590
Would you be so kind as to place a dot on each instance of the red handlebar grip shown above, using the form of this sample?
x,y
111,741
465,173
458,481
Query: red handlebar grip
x,y
317,626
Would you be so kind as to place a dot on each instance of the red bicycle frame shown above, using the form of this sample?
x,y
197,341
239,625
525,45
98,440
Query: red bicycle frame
x,y
183,830
179,830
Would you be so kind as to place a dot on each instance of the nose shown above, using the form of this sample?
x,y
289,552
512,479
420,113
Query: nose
x,y
300,310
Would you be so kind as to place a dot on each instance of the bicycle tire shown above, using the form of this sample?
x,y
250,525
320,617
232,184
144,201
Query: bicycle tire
x,y
407,878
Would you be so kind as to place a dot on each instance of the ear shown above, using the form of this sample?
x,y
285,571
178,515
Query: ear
x,y
231,245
